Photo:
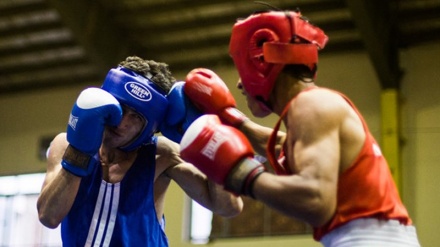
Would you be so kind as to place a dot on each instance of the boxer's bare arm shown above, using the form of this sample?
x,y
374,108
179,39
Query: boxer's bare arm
x,y
314,155
194,182
259,135
59,188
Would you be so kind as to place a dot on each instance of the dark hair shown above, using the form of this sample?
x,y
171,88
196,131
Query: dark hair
x,y
157,72
300,71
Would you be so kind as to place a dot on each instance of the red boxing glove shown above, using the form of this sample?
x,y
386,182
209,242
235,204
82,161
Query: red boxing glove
x,y
211,95
221,152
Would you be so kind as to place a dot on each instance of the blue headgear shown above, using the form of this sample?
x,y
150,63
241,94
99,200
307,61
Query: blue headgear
x,y
141,94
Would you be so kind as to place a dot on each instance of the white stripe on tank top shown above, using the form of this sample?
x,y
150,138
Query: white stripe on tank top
x,y
104,216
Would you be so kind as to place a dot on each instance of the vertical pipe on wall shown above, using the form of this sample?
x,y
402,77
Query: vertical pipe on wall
x,y
390,132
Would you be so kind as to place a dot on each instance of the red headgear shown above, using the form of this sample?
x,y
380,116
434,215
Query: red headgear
x,y
264,42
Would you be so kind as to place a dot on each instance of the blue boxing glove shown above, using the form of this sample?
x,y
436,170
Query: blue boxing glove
x,y
93,110
181,113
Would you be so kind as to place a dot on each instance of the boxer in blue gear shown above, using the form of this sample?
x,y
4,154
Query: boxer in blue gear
x,y
107,176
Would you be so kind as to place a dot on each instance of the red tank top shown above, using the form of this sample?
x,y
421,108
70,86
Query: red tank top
x,y
365,189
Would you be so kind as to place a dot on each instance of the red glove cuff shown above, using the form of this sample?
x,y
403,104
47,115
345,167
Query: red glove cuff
x,y
233,117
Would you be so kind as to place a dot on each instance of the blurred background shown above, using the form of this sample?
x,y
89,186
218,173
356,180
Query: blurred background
x,y
383,54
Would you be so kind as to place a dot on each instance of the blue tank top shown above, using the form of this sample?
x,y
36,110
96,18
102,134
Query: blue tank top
x,y
120,214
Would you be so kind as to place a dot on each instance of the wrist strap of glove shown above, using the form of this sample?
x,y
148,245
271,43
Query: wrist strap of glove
x,y
76,162
241,178
233,117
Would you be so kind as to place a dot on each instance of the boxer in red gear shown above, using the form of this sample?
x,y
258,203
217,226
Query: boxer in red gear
x,y
330,172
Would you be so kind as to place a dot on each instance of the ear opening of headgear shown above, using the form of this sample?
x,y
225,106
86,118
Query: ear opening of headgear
x,y
256,52
140,94
263,43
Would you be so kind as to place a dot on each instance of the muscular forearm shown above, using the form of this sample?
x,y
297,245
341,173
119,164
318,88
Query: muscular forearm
x,y
205,192
296,197
56,198
224,203
259,135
